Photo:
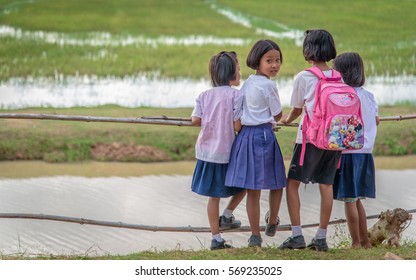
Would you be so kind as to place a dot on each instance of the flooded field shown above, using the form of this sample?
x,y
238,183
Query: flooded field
x,y
156,92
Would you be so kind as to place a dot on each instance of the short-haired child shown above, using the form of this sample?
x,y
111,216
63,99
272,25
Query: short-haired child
x,y
319,165
256,162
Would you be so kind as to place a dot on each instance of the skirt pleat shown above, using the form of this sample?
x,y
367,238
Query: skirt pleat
x,y
256,161
209,178
355,178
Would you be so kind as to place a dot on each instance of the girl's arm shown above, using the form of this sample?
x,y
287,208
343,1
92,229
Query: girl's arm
x,y
293,115
377,120
278,116
196,121
237,126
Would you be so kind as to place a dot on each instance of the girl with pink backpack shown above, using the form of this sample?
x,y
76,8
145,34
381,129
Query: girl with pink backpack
x,y
319,164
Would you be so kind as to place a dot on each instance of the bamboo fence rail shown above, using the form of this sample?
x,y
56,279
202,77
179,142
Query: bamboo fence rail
x,y
158,120
83,221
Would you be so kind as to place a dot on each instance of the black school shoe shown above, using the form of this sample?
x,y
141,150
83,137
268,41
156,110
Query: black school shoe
x,y
217,245
293,243
227,223
318,245
270,230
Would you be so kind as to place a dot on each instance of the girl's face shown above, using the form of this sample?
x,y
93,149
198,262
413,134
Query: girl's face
x,y
269,64
236,82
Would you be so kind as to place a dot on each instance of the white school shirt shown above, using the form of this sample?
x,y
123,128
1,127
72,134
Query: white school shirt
x,y
261,101
369,111
217,109
303,94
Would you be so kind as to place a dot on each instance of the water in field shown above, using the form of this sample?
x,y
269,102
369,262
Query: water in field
x,y
153,91
153,199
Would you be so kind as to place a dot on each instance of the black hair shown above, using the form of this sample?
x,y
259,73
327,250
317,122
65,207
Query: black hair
x,y
223,68
318,45
258,50
351,67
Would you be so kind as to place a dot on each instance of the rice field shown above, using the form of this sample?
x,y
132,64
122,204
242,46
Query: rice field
x,y
175,39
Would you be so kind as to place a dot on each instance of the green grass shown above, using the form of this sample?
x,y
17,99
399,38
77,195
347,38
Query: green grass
x,y
63,141
265,253
386,42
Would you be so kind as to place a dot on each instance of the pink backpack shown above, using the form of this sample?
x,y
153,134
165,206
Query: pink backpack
x,y
337,120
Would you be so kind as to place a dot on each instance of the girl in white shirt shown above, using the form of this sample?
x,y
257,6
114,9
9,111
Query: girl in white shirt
x,y
256,162
320,165
355,179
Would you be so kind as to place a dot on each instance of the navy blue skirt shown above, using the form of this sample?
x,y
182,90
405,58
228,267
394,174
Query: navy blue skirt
x,y
355,177
209,179
256,161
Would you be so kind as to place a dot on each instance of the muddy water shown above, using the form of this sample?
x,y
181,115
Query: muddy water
x,y
149,194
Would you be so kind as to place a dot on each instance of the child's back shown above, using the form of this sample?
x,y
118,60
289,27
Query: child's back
x,y
355,179
216,108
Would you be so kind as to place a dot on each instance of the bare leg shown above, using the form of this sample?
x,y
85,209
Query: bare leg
x,y
293,201
235,200
326,205
362,216
253,210
213,214
351,213
275,198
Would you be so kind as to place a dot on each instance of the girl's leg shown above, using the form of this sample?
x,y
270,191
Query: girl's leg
x,y
319,242
326,205
352,215
253,210
362,216
213,213
293,201
275,198
235,200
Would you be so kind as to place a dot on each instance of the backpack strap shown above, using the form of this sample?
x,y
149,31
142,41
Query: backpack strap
x,y
305,124
306,119
336,76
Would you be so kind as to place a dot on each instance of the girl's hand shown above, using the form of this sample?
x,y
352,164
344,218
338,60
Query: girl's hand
x,y
196,121
283,120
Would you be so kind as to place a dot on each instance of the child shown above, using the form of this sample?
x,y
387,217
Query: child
x,y
217,114
319,165
355,179
256,162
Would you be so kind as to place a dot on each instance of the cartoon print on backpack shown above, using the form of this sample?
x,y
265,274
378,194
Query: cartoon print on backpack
x,y
353,136
345,132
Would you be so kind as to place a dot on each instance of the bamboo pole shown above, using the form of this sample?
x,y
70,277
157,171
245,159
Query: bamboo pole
x,y
398,118
158,120
83,221
138,120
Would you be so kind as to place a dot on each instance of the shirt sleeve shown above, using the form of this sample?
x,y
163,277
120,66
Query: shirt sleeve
x,y
238,105
274,100
297,98
374,104
197,112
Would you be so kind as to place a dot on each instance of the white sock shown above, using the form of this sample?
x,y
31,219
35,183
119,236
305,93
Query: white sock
x,y
321,233
296,230
217,237
227,213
